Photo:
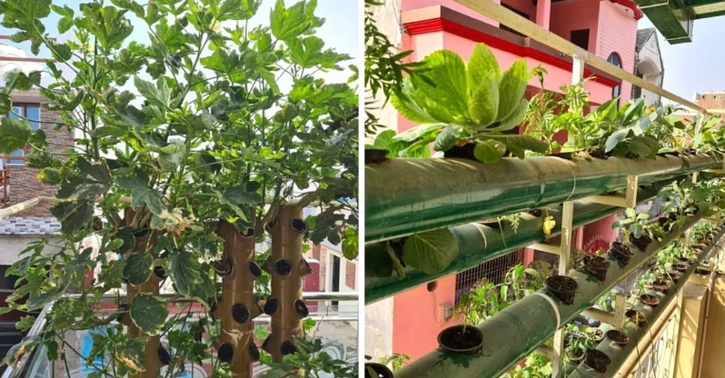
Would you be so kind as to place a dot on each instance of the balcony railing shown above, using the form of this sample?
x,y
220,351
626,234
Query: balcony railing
x,y
334,328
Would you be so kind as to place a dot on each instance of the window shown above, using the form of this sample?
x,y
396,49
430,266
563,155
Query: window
x,y
580,38
32,113
616,61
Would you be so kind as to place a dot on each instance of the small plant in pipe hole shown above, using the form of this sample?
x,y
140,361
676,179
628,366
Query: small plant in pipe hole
x,y
634,229
535,366
579,343
468,110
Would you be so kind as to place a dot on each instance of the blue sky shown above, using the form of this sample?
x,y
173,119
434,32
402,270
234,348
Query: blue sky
x,y
340,31
697,66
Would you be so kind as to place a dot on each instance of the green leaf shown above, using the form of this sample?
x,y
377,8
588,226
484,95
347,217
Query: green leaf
x,y
489,151
73,215
158,94
512,88
448,138
430,252
418,132
171,156
141,193
38,302
519,144
289,23
185,270
445,82
138,268
236,10
633,111
149,313
483,64
514,119
350,243
14,135
408,108
483,105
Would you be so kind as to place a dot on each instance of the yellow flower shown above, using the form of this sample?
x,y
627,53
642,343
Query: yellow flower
x,y
548,226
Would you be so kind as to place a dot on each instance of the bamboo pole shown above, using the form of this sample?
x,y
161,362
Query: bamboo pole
x,y
145,240
287,266
238,307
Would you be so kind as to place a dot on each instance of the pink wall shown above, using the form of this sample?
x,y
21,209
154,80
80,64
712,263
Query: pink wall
x,y
600,234
617,33
417,317
418,4
570,15
426,44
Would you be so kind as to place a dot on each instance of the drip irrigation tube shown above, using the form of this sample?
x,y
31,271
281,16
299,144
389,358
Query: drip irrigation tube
x,y
478,244
406,196
620,354
516,332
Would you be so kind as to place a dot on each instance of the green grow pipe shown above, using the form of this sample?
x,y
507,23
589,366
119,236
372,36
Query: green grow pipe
x,y
478,244
516,332
619,354
406,196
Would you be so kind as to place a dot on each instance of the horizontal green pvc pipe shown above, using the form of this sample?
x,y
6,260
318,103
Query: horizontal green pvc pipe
x,y
406,196
514,333
619,354
381,281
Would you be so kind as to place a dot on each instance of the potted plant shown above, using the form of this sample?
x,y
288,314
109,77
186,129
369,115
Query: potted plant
x,y
467,110
597,360
634,229
562,287
578,346
649,300
635,317
618,337
597,266
621,252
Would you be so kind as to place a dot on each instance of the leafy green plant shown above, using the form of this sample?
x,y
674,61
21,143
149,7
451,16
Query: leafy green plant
x,y
633,226
476,103
521,281
579,343
535,366
384,67
212,118
396,360
309,361
481,302
550,113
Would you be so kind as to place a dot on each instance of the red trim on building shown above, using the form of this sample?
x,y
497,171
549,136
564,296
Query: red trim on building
x,y
631,5
438,25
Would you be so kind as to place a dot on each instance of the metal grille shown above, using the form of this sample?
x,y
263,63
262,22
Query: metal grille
x,y
493,270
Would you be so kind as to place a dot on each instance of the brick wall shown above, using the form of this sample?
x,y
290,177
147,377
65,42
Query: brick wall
x,y
617,33
713,100
24,181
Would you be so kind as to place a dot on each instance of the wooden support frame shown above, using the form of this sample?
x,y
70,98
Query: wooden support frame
x,y
546,248
565,252
512,20
615,319
629,200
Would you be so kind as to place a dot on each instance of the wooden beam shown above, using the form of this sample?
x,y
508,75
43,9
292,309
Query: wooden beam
x,y
512,20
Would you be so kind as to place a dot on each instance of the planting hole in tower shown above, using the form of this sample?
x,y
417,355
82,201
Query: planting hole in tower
x,y
301,308
240,313
225,353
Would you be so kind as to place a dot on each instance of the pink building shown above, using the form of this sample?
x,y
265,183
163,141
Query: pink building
x,y
409,322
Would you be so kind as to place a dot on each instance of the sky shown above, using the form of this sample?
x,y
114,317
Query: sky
x,y
698,66
340,31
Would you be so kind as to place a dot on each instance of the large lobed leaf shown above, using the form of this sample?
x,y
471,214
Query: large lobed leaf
x,y
431,251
